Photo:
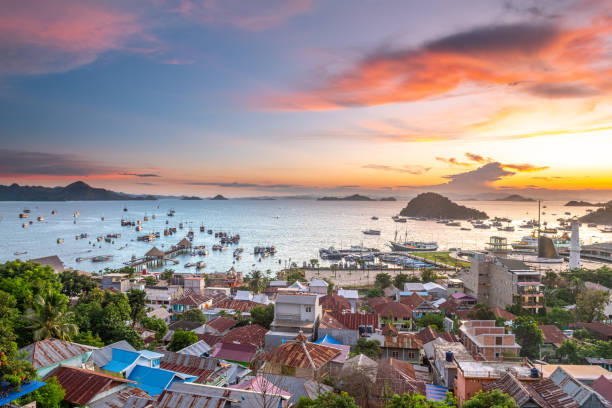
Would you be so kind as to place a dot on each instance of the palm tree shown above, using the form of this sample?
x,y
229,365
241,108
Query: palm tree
x,y
256,281
49,318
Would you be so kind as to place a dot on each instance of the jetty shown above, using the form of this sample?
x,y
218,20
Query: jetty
x,y
156,257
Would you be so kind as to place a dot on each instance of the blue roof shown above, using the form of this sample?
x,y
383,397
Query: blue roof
x,y
25,390
155,380
121,360
327,339
435,392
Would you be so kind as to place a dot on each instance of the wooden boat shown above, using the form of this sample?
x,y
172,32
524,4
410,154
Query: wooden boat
x,y
138,228
23,215
53,212
60,240
25,210
41,218
200,265
24,225
21,252
101,258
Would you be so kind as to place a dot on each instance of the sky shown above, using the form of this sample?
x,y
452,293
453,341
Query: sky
x,y
317,97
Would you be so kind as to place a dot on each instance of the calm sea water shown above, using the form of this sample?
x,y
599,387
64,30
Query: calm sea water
x,y
298,228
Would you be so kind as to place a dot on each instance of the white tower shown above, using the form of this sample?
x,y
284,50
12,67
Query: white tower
x,y
574,261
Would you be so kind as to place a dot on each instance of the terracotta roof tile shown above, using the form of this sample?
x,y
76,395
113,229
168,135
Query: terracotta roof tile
x,y
394,309
252,334
412,301
395,339
244,306
428,334
328,321
300,353
209,339
373,302
221,324
544,392
499,312
334,302
353,320
552,334
190,299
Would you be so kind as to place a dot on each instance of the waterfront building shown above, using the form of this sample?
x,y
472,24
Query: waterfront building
x,y
499,282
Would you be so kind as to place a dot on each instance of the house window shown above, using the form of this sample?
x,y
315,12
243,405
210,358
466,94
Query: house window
x,y
308,309
395,354
497,355
411,355
498,341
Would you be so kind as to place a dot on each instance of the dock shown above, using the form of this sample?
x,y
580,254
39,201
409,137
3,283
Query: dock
x,y
156,257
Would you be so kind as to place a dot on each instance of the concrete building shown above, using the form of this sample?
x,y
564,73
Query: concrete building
x,y
318,286
453,286
574,261
116,281
195,284
499,282
444,365
294,314
599,252
487,342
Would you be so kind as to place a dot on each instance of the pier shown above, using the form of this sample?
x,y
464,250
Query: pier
x,y
156,257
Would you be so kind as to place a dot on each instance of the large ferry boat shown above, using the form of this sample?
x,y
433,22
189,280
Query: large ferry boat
x,y
528,243
413,246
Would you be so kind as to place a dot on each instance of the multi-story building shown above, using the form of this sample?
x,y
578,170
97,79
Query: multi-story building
x,y
499,282
486,341
294,314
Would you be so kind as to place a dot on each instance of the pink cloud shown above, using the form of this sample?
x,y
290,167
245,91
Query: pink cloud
x,y
246,15
40,37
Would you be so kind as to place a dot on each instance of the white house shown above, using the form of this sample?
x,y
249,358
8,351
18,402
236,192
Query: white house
x,y
351,295
435,291
318,286
294,314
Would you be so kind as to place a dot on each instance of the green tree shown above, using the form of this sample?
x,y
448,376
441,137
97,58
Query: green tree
x,y
89,338
330,286
193,315
150,280
436,320
419,401
481,311
400,279
370,348
50,395
157,325
25,280
374,292
75,284
48,317
429,275
257,282
263,315
490,399
138,301
590,304
560,317
293,275
328,400
181,339
167,274
383,280
568,352
528,335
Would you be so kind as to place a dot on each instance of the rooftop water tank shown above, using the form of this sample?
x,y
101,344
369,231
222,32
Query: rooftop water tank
x,y
535,373
449,356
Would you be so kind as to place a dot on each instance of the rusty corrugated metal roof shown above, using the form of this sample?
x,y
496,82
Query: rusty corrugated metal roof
x,y
118,399
334,302
252,334
221,324
83,385
244,306
51,351
353,320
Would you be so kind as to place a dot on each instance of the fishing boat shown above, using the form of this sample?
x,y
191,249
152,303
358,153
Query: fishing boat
x,y
153,216
181,225
21,252
371,232
81,258
53,212
125,209
606,230
453,224
102,218
209,232
190,264
330,253
60,240
465,229
482,226
23,215
202,229
41,218
146,218
200,265
27,211
139,222
549,230
397,218
413,246
24,225
374,217
101,258
30,222
568,213
592,225
139,228
527,243
508,228
171,213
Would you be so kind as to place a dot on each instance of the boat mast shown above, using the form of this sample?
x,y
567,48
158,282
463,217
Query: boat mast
x,y
539,202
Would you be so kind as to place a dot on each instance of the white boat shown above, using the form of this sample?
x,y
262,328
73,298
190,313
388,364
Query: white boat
x,y
414,246
606,230
372,232
528,243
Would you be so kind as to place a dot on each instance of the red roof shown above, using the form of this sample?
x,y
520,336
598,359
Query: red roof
x,y
201,367
83,385
300,353
235,352
499,312
378,300
412,301
242,305
252,334
352,321
552,334
603,386
394,309
190,299
221,324
209,339
429,334
334,302
328,321
598,327
395,339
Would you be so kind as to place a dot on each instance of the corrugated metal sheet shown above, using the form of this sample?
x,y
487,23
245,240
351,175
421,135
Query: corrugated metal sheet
x,y
47,352
119,399
252,334
82,385
244,306
196,349
221,324
353,320
171,399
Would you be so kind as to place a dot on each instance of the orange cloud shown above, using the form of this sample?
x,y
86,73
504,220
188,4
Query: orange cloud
x,y
524,168
538,59
453,161
60,35
478,158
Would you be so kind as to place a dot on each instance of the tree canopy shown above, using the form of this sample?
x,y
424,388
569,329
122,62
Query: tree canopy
x,y
528,335
181,339
490,399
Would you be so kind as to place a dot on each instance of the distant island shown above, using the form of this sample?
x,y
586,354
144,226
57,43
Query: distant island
x,y
218,197
515,197
602,216
77,191
354,197
190,198
388,199
574,203
432,205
